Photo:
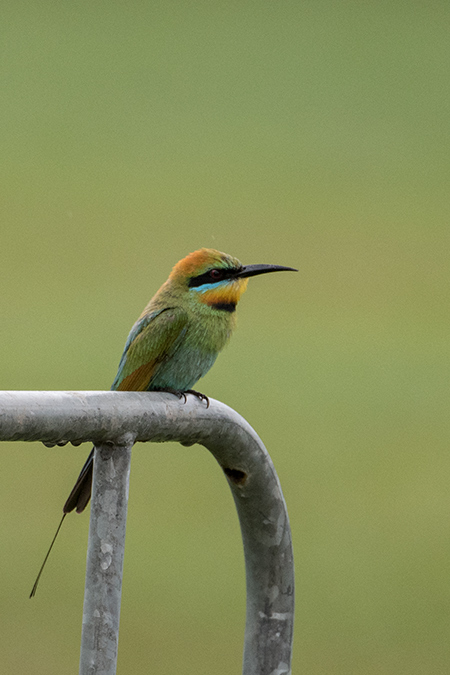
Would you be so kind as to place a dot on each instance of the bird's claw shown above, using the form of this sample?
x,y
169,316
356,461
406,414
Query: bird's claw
x,y
182,394
199,395
176,392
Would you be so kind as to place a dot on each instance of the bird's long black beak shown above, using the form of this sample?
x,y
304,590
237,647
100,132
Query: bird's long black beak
x,y
253,270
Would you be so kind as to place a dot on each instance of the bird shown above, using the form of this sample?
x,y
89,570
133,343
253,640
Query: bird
x,y
176,340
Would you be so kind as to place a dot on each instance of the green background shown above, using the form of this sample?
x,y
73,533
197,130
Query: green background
x,y
311,134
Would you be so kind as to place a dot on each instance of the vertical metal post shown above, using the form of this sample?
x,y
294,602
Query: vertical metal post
x,y
104,567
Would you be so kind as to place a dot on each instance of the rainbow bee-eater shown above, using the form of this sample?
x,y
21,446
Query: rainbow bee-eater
x,y
176,339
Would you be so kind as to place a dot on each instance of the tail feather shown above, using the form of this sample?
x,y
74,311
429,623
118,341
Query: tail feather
x,y
78,499
81,491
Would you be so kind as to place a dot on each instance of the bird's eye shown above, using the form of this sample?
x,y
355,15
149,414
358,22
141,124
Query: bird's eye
x,y
216,274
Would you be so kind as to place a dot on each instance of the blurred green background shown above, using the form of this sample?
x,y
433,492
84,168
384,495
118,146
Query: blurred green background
x,y
309,134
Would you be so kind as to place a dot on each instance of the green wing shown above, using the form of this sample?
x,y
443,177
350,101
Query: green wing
x,y
153,339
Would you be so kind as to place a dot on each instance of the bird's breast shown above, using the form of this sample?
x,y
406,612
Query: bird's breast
x,y
183,369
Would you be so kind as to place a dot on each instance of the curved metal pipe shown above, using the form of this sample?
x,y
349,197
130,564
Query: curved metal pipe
x,y
114,420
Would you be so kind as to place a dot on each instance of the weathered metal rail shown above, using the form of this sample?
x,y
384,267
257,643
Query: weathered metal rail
x,y
114,421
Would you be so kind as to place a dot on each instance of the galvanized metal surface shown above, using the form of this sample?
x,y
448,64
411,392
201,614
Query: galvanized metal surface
x,y
115,418
104,565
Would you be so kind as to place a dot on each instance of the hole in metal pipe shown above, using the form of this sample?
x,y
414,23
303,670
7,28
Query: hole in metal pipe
x,y
236,476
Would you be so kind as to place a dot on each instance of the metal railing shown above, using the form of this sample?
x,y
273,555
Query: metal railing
x,y
114,421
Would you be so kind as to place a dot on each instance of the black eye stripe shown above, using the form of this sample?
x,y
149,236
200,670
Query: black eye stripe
x,y
206,278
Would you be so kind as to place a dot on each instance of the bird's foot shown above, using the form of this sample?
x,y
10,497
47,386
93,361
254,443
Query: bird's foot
x,y
175,392
199,395
182,394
